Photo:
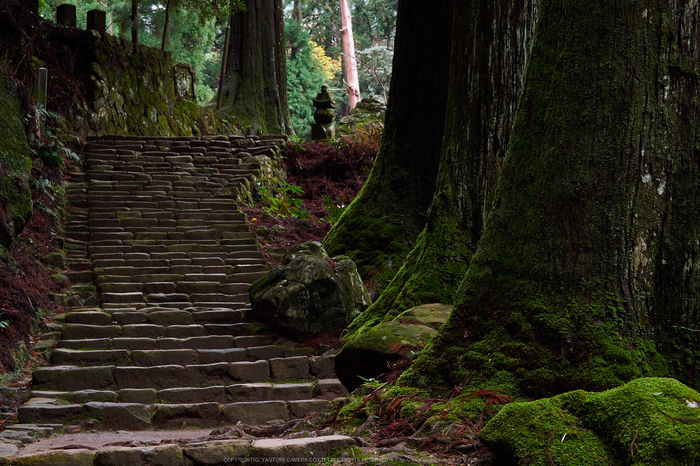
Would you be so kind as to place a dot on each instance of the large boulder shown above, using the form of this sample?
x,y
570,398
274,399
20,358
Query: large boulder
x,y
309,293
647,421
368,115
370,353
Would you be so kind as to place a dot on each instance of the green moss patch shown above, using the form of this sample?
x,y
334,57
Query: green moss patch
x,y
648,421
15,164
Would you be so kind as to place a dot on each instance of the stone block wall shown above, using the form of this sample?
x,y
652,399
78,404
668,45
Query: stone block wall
x,y
100,83
133,91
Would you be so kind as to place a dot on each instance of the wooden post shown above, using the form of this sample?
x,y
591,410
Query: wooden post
x,y
352,81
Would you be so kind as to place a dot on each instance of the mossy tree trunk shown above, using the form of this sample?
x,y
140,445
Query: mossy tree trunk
x,y
255,81
381,225
587,272
490,47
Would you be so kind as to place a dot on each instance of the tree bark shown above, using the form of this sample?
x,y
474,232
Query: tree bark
x,y
380,226
586,275
490,48
134,22
255,84
351,79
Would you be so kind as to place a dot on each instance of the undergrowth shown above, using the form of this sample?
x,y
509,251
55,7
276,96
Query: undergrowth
x,y
322,179
386,414
25,283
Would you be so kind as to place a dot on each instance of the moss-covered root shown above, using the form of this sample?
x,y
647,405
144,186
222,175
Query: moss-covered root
x,y
648,421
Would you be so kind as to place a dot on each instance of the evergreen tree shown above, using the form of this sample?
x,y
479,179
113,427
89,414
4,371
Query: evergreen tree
x,y
255,84
305,76
380,227
570,167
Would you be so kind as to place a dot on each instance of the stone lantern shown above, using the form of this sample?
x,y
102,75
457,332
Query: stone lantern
x,y
323,116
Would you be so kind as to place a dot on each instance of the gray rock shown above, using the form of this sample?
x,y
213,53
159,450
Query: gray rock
x,y
309,293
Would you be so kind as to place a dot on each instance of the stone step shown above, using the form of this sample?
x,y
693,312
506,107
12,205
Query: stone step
x,y
326,389
296,452
85,333
148,336
113,377
158,316
140,416
173,257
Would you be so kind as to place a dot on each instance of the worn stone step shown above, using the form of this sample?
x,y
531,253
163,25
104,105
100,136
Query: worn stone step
x,y
217,316
327,389
88,317
129,297
109,377
138,416
295,452
62,356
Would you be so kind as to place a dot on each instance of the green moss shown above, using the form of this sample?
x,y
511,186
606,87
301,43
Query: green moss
x,y
377,243
647,421
15,165
542,432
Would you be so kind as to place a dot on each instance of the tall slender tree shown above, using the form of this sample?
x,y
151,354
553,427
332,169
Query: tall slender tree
x,y
350,60
135,21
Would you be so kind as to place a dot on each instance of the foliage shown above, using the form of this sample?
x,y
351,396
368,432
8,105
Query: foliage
x,y
374,68
331,67
21,355
328,178
195,31
335,208
373,21
51,147
287,204
374,25
305,76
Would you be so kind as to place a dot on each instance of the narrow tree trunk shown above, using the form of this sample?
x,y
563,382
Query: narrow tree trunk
x,y
381,225
134,22
166,24
255,88
489,56
297,11
586,275
352,81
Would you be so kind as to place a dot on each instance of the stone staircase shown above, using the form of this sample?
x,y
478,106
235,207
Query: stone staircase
x,y
159,333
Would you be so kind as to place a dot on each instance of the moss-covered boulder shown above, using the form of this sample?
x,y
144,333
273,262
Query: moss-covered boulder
x,y
650,421
367,115
369,354
309,293
15,165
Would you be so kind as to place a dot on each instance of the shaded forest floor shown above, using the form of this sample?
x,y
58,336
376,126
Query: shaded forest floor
x,y
26,286
322,179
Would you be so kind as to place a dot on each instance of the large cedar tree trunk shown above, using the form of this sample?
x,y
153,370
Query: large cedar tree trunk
x,y
381,225
255,82
587,272
490,47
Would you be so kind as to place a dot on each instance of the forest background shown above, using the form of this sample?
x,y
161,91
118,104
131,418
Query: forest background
x,y
313,35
